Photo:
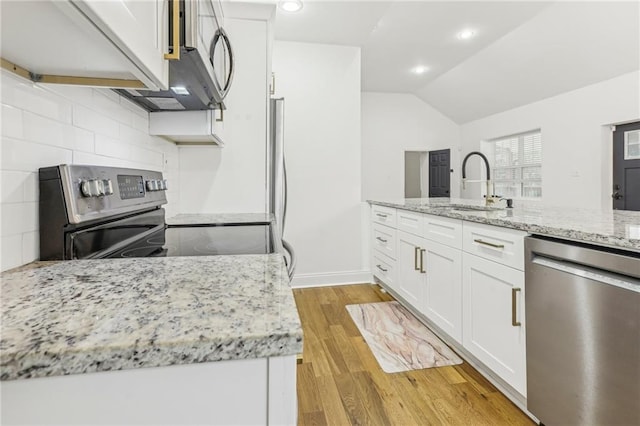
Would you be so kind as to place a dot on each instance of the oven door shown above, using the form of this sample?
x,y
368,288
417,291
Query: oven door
x,y
107,239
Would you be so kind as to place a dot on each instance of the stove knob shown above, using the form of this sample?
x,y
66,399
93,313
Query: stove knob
x,y
164,184
108,186
152,185
92,188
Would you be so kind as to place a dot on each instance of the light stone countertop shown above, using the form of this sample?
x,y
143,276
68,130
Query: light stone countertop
x,y
84,316
218,218
619,229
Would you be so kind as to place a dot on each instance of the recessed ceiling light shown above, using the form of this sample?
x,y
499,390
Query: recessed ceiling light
x,y
466,34
291,5
420,69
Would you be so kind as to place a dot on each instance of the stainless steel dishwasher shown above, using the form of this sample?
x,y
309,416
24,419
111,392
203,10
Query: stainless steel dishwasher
x,y
583,333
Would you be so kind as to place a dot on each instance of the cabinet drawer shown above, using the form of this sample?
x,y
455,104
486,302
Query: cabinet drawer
x,y
384,268
501,245
410,222
384,215
384,239
443,230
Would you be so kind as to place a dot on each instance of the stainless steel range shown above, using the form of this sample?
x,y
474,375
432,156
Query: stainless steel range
x,y
93,212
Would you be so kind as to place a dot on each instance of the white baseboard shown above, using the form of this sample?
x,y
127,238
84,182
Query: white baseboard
x,y
331,278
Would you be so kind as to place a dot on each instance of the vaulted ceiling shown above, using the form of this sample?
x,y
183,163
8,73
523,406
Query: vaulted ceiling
x,y
522,51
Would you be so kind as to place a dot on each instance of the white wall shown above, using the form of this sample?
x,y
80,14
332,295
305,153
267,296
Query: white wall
x,y
321,87
576,140
391,124
232,179
51,125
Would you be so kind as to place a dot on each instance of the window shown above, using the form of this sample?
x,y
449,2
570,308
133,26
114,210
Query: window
x,y
517,165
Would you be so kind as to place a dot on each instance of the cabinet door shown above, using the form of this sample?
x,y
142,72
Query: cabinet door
x,y
493,301
443,298
138,28
410,278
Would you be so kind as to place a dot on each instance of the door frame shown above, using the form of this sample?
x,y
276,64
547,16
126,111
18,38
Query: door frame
x,y
613,203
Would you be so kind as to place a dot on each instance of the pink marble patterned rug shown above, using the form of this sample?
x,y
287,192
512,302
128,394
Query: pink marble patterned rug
x,y
398,340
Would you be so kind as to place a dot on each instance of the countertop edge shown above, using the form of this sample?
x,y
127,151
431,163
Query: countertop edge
x,y
274,345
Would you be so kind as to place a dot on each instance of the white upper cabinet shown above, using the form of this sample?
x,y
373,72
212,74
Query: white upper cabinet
x,y
94,43
138,28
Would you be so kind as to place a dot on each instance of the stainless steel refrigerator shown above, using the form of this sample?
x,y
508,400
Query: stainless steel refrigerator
x,y
277,177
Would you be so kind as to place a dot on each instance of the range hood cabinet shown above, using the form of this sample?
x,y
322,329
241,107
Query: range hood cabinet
x,y
188,127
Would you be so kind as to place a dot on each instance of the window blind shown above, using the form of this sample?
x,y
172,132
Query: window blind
x,y
517,165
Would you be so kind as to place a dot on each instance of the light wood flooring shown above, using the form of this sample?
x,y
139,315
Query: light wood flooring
x,y
341,383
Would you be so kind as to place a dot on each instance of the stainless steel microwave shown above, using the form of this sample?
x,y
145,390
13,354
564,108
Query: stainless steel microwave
x,y
201,78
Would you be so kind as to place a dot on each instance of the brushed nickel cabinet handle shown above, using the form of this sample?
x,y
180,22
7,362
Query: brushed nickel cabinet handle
x,y
175,37
381,239
486,243
381,268
415,258
514,296
422,271
381,215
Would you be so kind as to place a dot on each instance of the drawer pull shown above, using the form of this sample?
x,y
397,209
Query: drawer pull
x,y
514,297
422,271
415,258
381,215
381,268
381,239
486,243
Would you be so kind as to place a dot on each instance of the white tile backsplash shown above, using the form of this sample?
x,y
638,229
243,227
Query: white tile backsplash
x,y
47,131
83,140
13,186
30,97
11,121
112,147
95,121
28,156
11,254
49,125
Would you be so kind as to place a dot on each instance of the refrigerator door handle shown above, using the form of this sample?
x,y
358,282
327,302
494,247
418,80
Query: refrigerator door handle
x,y
291,267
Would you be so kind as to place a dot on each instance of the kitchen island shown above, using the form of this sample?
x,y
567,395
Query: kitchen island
x,y
617,228
200,340
461,266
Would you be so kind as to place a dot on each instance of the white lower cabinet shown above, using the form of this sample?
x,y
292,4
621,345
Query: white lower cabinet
x,y
260,391
466,278
442,300
410,276
493,318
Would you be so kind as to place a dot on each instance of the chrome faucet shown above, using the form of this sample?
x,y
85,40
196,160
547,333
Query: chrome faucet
x,y
490,197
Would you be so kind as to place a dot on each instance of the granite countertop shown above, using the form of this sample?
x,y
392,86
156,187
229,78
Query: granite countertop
x,y
218,218
619,229
84,316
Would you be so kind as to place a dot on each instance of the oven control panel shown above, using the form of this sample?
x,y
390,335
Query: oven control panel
x,y
97,192
130,186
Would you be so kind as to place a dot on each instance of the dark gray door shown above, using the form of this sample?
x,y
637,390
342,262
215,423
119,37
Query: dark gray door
x,y
626,167
439,173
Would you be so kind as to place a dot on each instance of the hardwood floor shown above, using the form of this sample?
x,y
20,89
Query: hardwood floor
x,y
341,383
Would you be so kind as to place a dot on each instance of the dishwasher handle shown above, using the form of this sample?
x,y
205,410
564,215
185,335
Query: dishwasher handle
x,y
598,275
582,255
